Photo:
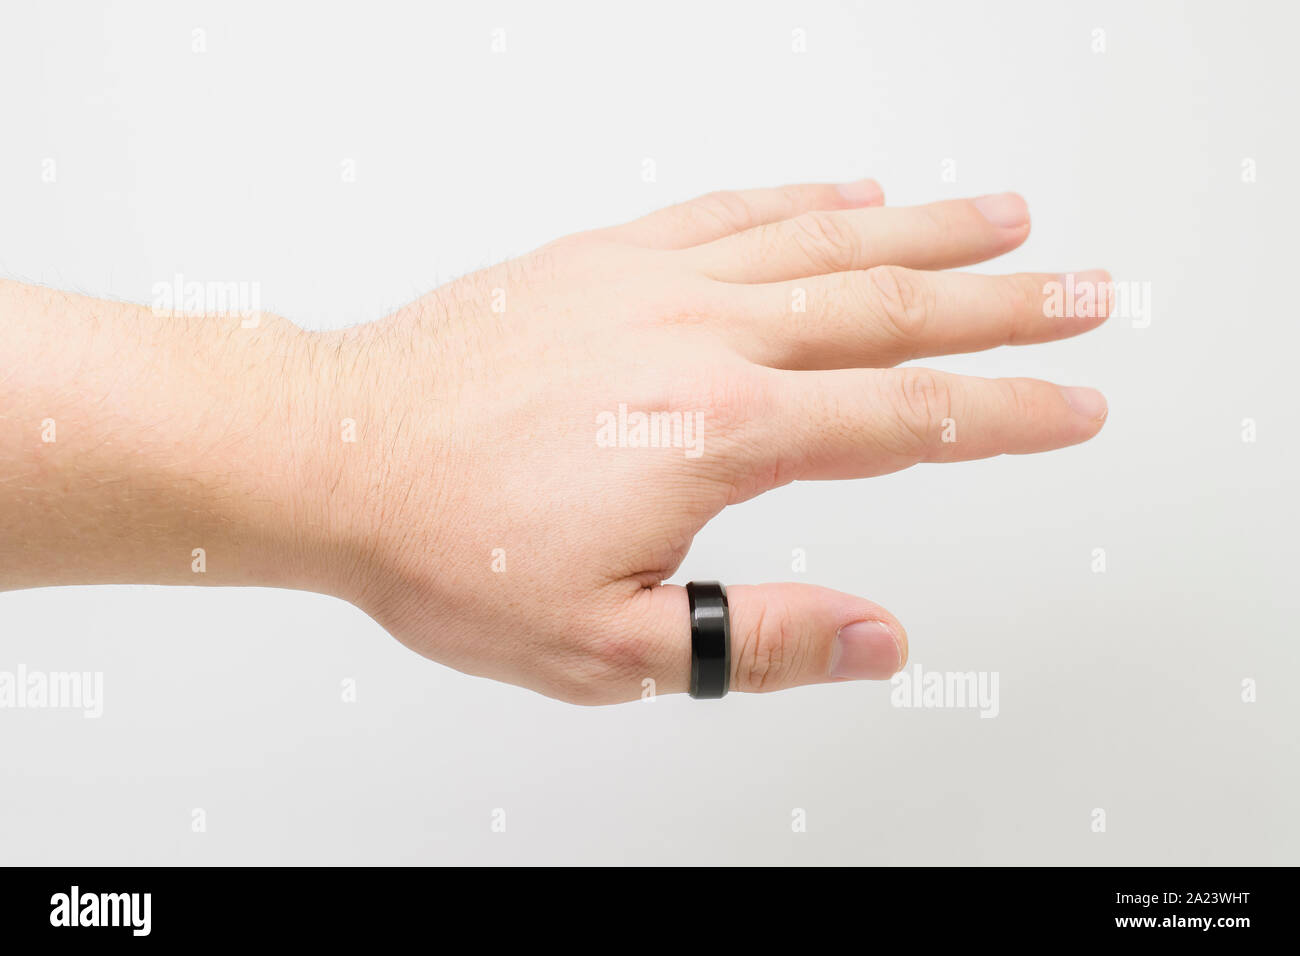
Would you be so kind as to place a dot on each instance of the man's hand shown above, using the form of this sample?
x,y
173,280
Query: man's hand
x,y
503,472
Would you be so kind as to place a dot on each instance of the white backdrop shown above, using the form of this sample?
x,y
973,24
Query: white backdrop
x,y
347,159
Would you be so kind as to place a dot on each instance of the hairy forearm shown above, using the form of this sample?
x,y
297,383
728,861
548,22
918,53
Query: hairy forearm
x,y
158,449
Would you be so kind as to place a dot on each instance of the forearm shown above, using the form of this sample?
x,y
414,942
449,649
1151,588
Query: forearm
x,y
154,449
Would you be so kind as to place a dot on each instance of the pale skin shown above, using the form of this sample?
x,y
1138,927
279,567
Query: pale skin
x,y
475,516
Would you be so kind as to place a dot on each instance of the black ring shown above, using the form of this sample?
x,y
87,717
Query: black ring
x,y
710,639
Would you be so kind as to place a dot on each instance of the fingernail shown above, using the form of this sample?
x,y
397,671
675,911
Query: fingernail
x,y
865,650
1006,210
1098,276
864,192
1088,402
1098,282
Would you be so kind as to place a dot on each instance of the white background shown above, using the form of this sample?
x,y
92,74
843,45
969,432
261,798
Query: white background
x,y
1120,690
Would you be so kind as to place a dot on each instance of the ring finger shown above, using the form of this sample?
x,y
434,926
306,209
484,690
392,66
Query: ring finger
x,y
886,315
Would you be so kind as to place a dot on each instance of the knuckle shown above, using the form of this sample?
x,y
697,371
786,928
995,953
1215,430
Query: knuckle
x,y
827,239
684,312
925,400
1019,398
901,299
768,655
729,399
792,200
600,671
1024,308
727,208
935,218
572,690
1027,295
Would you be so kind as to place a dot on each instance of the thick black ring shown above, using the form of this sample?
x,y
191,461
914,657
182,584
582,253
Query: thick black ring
x,y
710,639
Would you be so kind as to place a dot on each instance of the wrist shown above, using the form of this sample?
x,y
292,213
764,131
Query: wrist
x,y
373,425
284,530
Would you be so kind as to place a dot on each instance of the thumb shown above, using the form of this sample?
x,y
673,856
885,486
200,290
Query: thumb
x,y
784,635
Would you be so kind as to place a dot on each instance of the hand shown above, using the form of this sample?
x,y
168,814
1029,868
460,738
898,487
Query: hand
x,y
499,511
